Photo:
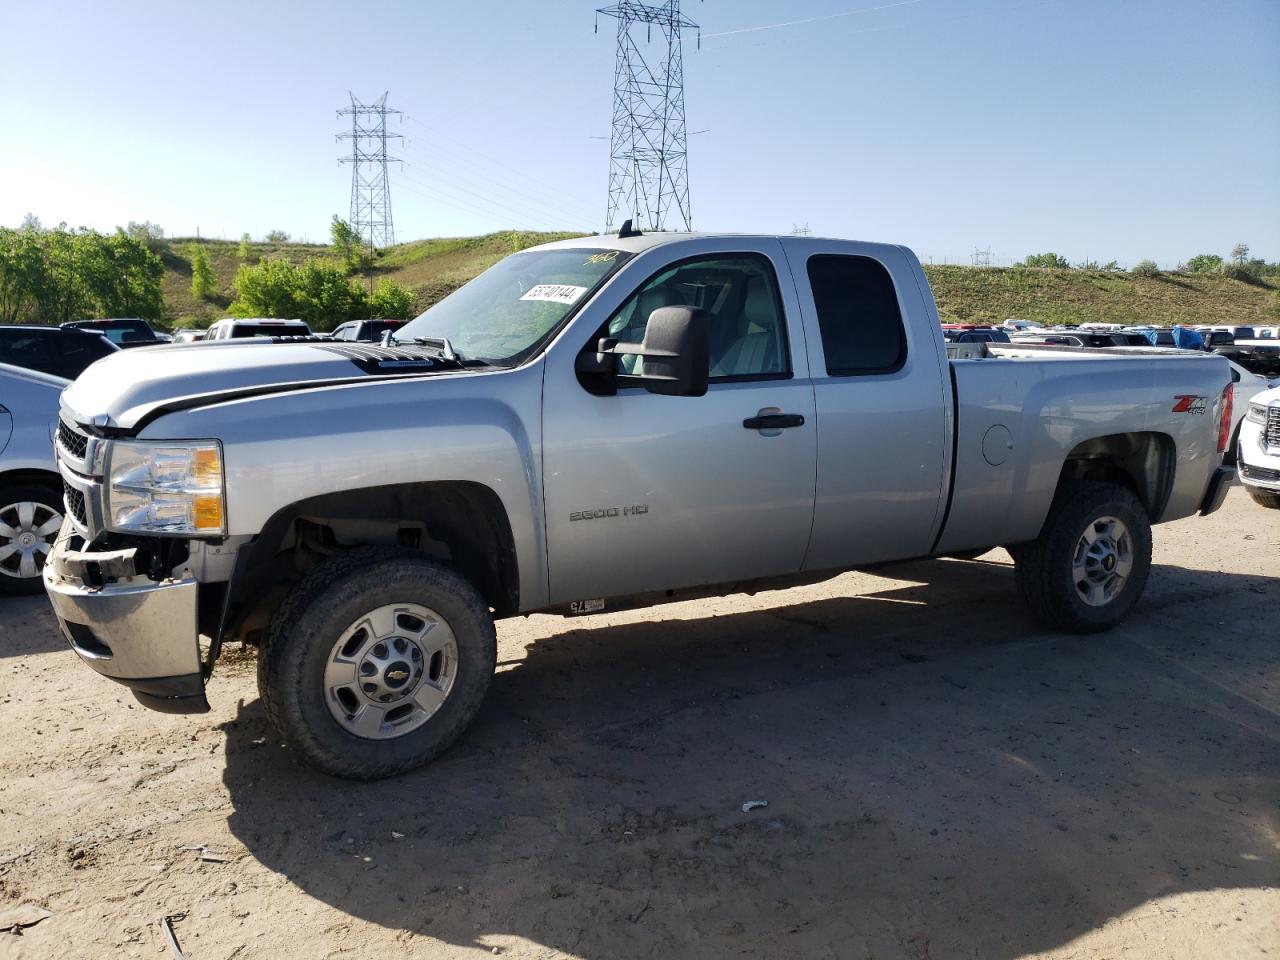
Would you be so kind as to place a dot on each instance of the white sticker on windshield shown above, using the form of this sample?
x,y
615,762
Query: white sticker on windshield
x,y
555,292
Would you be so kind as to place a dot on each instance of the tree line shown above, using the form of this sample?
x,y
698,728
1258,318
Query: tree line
x,y
54,275
50,276
1238,266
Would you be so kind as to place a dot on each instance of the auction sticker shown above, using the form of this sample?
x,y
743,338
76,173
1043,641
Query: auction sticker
x,y
555,293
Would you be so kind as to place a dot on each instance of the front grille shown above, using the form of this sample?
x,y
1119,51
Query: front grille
x,y
74,501
74,442
1272,432
1266,474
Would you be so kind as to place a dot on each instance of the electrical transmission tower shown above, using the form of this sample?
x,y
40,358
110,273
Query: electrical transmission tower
x,y
648,151
981,258
370,189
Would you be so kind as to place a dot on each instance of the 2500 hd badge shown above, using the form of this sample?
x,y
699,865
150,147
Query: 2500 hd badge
x,y
606,513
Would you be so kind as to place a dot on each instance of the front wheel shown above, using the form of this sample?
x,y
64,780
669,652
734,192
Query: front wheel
x,y
376,662
1087,569
1264,497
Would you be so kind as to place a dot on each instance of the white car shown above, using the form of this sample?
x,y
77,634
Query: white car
x,y
231,329
30,486
1244,387
1258,452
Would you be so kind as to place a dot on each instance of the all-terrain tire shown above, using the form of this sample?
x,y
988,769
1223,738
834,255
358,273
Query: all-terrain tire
x,y
1044,566
314,615
1264,497
48,501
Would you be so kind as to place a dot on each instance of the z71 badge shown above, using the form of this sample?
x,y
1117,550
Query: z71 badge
x,y
1185,403
607,513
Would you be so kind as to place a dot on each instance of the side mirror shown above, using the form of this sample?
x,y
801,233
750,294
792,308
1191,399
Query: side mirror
x,y
676,351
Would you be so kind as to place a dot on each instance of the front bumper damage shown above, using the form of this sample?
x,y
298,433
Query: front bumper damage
x,y
137,631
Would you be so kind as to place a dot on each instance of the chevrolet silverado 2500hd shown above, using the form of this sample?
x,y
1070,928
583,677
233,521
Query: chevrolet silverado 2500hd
x,y
590,423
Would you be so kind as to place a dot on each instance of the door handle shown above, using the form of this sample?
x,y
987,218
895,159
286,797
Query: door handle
x,y
774,421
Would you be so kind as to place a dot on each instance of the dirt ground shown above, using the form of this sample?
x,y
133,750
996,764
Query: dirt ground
x,y
944,779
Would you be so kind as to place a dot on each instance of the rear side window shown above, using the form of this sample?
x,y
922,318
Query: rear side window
x,y
858,315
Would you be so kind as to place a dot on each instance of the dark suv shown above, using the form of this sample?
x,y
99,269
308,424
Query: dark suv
x,y
58,350
123,332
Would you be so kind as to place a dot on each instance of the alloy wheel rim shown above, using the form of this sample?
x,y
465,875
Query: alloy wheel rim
x,y
1103,561
390,671
28,530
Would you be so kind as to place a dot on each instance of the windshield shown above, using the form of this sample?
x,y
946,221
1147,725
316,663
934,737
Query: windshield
x,y
509,310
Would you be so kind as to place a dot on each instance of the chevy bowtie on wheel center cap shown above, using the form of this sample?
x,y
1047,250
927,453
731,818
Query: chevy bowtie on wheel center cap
x,y
1103,561
390,671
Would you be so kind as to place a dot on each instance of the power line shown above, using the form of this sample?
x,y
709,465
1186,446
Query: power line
x,y
370,188
522,195
829,16
648,150
520,175
481,206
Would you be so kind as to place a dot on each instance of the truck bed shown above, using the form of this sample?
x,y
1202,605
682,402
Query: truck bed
x,y
1022,410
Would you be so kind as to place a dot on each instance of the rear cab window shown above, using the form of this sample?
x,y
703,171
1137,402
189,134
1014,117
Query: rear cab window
x,y
858,315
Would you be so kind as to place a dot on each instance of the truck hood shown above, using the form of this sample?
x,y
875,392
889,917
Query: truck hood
x,y
126,389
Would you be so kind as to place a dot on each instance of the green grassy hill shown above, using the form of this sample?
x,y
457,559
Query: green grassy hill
x,y
434,268
977,294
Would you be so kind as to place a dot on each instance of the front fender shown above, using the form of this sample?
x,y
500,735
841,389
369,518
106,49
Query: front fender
x,y
482,428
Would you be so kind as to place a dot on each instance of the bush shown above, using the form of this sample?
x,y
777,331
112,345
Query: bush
x,y
317,291
348,247
202,280
150,235
391,301
1249,271
1145,268
277,236
1051,260
1204,263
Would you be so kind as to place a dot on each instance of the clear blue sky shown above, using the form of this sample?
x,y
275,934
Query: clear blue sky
x,y
1097,128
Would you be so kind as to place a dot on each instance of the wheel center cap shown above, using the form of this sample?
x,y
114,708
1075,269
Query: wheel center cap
x,y
26,540
397,675
1109,562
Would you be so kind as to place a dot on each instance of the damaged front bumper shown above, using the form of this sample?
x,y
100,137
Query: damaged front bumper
x,y
137,631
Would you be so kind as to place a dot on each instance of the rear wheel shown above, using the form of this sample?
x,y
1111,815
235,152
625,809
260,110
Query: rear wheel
x,y
376,662
1087,569
1264,497
30,517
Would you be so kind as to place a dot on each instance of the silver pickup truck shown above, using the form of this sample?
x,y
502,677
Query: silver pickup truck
x,y
589,424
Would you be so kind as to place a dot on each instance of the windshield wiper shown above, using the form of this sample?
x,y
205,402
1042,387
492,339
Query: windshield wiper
x,y
440,343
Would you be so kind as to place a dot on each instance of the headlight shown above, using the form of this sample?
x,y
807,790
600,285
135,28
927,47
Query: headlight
x,y
1257,413
166,487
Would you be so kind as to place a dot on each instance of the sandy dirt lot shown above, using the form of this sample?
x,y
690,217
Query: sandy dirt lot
x,y
944,779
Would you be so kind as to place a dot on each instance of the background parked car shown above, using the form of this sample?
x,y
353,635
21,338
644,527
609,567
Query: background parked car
x,y
966,333
189,336
122,331
231,329
59,351
1245,385
1258,449
371,330
30,487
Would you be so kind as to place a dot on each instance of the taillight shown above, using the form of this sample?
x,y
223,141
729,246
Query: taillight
x,y
1224,425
